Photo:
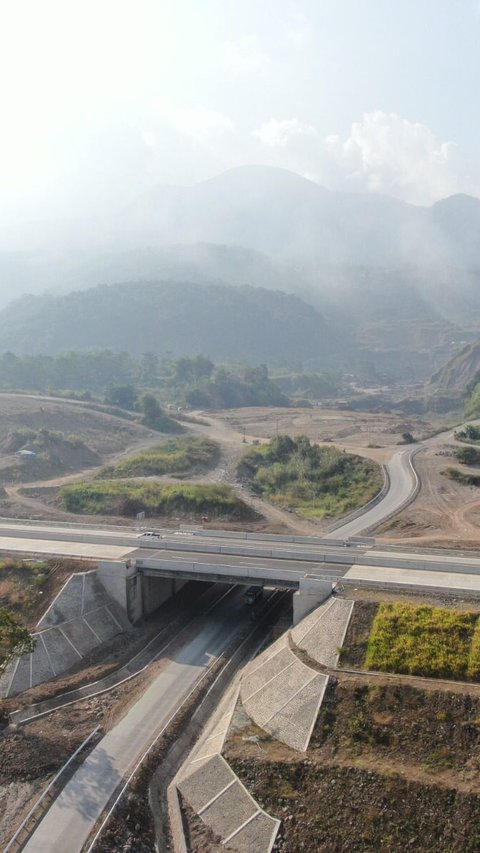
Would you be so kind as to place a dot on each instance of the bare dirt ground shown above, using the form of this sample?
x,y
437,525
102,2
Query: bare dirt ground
x,y
444,514
392,765
31,754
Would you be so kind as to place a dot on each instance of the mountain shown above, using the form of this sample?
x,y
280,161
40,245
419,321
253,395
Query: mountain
x,y
264,209
399,282
287,216
225,322
459,373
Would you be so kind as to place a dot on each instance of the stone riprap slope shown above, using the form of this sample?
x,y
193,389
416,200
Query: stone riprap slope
x,y
322,633
216,795
223,803
280,692
81,617
282,695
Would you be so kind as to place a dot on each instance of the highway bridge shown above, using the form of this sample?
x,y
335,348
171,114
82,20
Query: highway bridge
x,y
140,573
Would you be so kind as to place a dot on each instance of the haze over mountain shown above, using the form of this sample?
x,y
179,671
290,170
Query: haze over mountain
x,y
225,322
459,373
273,211
400,281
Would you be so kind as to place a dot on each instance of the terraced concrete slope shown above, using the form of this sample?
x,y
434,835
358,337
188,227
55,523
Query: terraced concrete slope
x,y
322,632
217,796
81,617
223,803
281,693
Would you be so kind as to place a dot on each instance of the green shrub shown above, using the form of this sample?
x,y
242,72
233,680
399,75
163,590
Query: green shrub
x,y
316,481
177,456
111,497
468,455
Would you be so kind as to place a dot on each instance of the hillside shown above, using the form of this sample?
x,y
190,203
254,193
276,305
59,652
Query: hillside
x,y
459,372
283,214
261,208
400,282
235,323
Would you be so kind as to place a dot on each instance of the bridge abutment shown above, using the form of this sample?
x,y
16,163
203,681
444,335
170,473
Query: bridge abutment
x,y
137,594
310,594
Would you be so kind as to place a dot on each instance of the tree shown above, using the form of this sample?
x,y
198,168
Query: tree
x,y
152,413
148,369
124,396
282,447
14,638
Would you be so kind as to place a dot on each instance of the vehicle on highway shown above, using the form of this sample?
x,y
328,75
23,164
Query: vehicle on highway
x,y
149,534
252,594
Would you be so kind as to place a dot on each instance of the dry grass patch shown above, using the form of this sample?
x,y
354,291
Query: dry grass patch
x,y
430,641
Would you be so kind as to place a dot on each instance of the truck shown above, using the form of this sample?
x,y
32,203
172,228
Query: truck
x,y
252,594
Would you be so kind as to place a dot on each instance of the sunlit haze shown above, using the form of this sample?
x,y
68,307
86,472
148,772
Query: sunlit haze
x,y
104,100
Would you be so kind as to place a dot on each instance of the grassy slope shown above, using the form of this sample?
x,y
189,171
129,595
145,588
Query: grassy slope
x,y
178,456
111,497
431,641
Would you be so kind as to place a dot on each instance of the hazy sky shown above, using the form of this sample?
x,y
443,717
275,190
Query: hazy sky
x,y
102,99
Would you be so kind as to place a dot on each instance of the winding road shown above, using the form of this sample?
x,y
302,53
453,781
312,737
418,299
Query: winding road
x,y
403,484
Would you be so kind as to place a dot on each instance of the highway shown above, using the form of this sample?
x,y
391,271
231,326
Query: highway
x,y
232,555
69,821
402,485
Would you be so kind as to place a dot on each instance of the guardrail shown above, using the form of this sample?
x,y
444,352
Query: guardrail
x,y
413,494
362,510
25,824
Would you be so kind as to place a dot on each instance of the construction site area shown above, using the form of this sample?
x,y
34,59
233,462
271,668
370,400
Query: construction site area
x,y
210,724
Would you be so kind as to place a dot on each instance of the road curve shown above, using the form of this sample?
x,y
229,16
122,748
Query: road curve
x,y
403,483
69,821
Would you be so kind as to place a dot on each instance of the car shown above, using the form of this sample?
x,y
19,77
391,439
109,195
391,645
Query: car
x,y
149,534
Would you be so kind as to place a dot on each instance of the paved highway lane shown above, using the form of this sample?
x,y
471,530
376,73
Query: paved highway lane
x,y
67,824
403,482
52,547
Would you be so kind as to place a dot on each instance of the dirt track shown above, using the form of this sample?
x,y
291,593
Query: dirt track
x,y
444,513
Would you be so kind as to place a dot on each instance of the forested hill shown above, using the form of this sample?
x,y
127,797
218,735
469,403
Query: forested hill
x,y
234,323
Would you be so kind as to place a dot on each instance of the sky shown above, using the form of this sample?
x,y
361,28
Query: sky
x,y
103,100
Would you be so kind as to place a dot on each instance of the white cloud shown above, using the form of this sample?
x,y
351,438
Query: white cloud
x,y
201,124
383,153
389,154
276,133
244,56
